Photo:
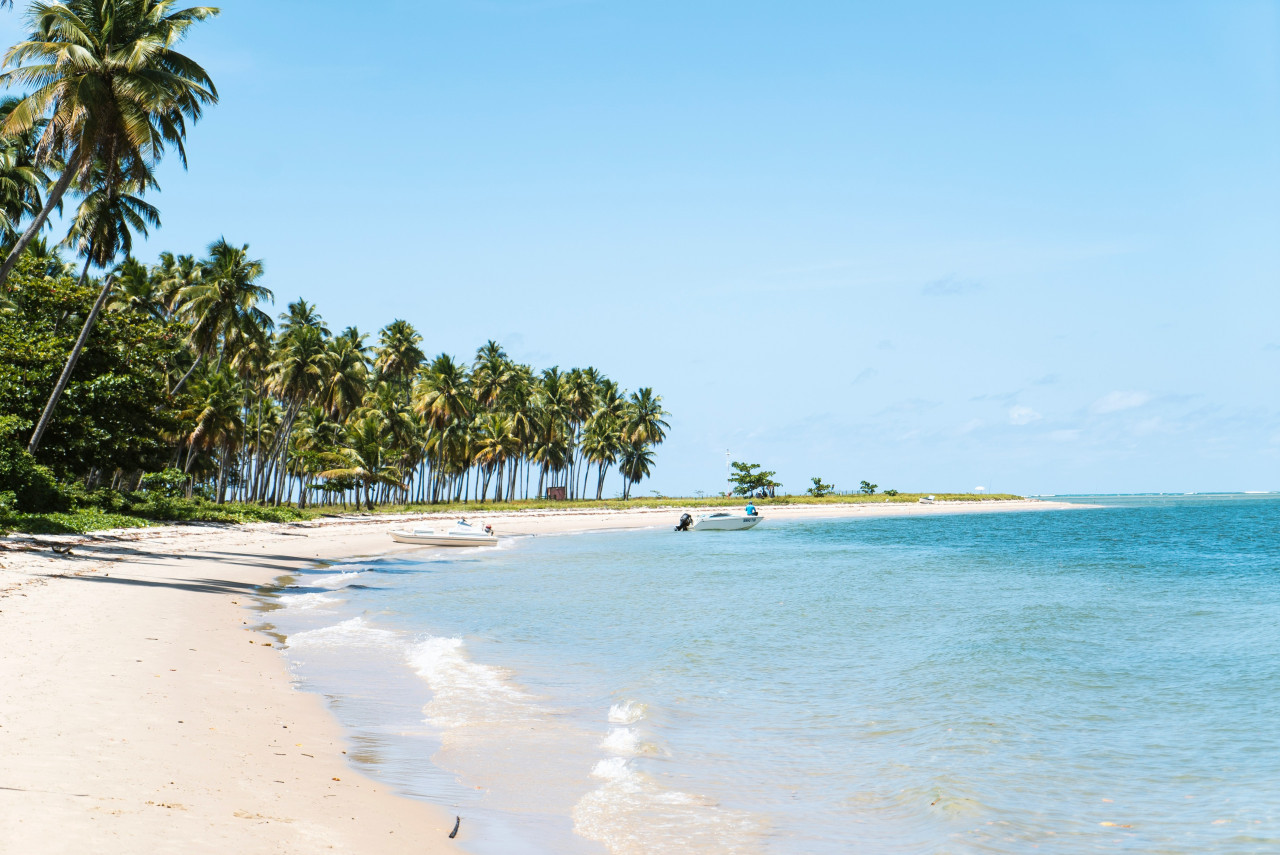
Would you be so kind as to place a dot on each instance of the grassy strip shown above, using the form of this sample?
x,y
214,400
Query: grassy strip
x,y
159,510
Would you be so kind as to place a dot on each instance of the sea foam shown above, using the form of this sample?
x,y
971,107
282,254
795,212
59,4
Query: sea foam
x,y
306,602
627,712
356,632
465,692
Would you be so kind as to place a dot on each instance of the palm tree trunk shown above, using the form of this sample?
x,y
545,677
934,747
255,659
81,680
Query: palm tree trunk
x,y
61,385
222,471
190,370
55,196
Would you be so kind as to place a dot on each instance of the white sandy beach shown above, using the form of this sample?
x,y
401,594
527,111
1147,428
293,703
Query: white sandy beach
x,y
142,710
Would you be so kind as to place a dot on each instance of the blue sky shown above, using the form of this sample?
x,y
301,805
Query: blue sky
x,y
1028,246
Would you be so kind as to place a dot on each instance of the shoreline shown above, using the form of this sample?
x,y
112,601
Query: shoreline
x,y
145,707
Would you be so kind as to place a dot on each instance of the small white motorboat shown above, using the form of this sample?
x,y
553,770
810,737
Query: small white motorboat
x,y
462,534
725,522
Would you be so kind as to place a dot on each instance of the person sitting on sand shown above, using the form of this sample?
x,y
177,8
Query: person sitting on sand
x,y
488,529
751,510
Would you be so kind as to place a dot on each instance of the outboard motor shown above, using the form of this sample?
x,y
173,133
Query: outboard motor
x,y
685,522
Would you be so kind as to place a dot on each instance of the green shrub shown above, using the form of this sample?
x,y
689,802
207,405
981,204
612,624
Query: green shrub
x,y
33,486
170,482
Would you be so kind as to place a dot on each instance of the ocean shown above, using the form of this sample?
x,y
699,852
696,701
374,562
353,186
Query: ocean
x,y
1090,680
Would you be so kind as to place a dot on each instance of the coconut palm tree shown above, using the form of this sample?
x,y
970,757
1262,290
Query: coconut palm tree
x,y
364,458
136,290
108,86
218,423
495,445
600,445
174,274
22,179
635,465
48,260
490,374
644,423
399,355
222,300
443,398
348,381
297,377
300,313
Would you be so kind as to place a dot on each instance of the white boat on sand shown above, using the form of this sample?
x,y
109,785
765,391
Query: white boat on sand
x,y
725,522
461,534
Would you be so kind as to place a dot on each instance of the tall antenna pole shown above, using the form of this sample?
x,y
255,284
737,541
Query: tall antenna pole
x,y
728,479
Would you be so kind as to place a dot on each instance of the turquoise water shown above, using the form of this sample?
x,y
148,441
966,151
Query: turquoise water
x,y
1077,681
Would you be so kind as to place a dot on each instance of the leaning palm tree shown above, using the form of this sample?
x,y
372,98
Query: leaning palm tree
x,y
102,229
108,86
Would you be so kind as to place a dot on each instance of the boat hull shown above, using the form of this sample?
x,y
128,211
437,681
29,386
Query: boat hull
x,y
725,523
424,539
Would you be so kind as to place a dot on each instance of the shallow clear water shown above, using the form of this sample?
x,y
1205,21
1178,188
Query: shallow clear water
x,y
1091,680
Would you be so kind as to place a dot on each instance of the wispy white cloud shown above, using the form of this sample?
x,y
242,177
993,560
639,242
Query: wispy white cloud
x,y
1117,401
1021,415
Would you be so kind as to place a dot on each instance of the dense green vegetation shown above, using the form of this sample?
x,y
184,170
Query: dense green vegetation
x,y
151,383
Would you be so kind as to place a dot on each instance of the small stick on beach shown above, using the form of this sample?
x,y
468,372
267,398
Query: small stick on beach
x,y
457,822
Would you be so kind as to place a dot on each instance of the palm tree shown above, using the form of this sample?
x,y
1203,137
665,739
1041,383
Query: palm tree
x,y
48,259
348,381
363,458
21,177
490,374
442,397
495,444
600,445
222,300
635,465
300,313
218,423
644,421
399,356
174,274
298,376
136,290
103,227
109,88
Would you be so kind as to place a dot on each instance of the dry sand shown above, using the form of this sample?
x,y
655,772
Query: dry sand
x,y
141,710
